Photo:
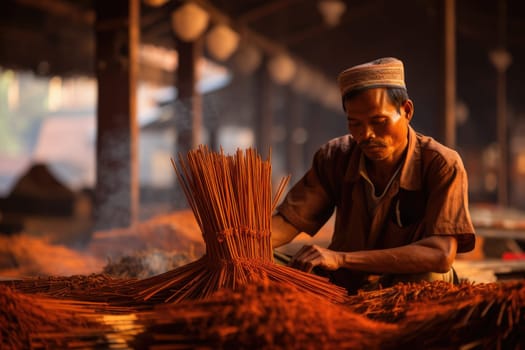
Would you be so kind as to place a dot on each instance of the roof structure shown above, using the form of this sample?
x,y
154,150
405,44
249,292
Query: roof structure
x,y
56,37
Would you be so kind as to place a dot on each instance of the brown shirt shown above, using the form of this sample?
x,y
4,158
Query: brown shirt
x,y
428,197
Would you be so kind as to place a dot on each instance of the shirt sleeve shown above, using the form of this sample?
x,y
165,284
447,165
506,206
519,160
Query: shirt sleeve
x,y
447,210
308,205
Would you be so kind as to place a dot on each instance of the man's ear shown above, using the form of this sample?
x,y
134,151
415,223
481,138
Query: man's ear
x,y
408,107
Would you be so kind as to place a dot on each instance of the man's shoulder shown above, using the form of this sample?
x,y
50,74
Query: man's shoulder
x,y
341,144
432,149
336,154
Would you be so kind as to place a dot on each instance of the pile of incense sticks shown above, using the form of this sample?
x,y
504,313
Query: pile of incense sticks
x,y
488,316
266,314
231,198
92,288
392,304
441,315
260,315
33,322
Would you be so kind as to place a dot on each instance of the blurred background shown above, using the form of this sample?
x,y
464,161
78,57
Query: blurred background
x,y
96,96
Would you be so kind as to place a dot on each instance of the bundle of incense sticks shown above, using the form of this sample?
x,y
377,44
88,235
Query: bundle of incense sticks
x,y
231,198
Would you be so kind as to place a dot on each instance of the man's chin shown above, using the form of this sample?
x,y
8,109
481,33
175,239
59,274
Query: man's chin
x,y
375,154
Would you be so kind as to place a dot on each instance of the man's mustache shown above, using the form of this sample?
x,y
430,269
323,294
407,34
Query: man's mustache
x,y
371,143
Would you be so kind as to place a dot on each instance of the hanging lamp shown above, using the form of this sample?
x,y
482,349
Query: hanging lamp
x,y
189,21
282,69
222,42
247,59
331,10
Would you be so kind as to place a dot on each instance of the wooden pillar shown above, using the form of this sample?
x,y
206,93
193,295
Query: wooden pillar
x,y
264,112
188,111
503,139
116,63
450,73
313,119
501,59
189,118
294,150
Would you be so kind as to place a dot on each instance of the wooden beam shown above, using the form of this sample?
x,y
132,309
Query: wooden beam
x,y
64,56
117,44
265,10
304,34
62,9
153,18
267,45
308,32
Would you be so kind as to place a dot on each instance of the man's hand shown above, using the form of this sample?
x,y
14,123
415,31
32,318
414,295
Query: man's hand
x,y
311,256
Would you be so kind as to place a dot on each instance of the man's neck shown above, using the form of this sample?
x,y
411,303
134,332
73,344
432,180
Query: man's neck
x,y
381,172
384,168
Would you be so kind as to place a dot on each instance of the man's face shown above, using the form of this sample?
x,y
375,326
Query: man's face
x,y
378,127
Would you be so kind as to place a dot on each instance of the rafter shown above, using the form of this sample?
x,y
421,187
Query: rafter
x,y
62,9
313,30
265,10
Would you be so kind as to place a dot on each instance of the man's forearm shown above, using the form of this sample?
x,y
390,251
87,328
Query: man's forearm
x,y
282,231
435,254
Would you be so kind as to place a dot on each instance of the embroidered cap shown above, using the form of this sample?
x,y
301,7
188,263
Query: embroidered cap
x,y
382,72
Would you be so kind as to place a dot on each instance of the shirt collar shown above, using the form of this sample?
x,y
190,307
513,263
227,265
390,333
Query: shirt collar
x,y
409,179
353,171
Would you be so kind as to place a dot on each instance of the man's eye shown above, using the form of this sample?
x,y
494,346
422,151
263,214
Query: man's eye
x,y
353,123
379,121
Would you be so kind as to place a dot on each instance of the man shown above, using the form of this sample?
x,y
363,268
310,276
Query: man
x,y
400,197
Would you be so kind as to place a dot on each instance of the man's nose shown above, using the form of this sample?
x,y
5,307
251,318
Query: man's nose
x,y
368,132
